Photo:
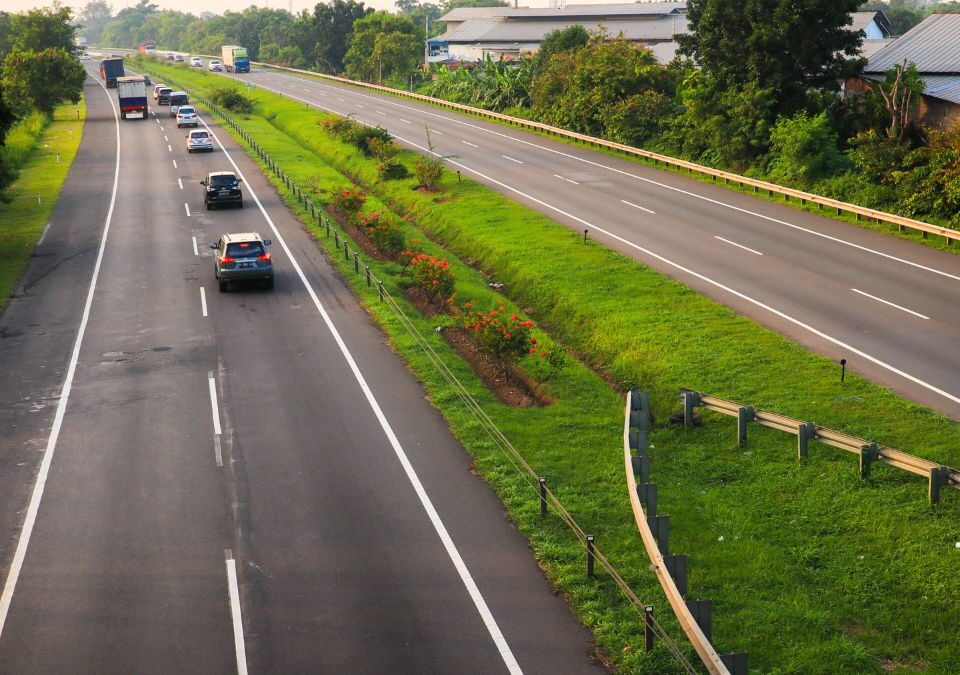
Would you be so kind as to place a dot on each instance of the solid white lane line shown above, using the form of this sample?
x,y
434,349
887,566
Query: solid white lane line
x,y
195,251
215,409
180,183
887,302
30,519
733,243
235,614
217,452
743,296
43,235
203,301
174,164
637,206
557,175
186,207
512,159
470,144
451,548
405,121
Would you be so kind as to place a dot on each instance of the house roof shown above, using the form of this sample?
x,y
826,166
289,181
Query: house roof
x,y
491,30
862,19
650,9
933,46
870,48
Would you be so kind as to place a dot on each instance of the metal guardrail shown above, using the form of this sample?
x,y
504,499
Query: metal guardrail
x,y
695,617
859,212
549,502
937,475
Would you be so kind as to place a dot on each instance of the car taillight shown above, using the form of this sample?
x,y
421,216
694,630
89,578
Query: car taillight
x,y
265,256
227,259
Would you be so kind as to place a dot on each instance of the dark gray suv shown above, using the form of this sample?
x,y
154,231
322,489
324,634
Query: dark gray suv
x,y
221,187
242,257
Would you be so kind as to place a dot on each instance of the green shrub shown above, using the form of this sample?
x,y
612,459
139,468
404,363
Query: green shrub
x,y
232,99
429,171
382,232
803,150
392,171
343,128
370,140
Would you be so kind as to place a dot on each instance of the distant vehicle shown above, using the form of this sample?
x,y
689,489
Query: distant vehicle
x,y
146,80
148,49
196,62
221,187
178,58
169,56
80,43
156,89
215,66
132,94
163,95
85,57
199,140
110,69
242,257
235,59
177,99
187,117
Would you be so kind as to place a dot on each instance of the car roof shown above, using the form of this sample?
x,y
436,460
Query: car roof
x,y
240,237
185,107
198,131
221,173
180,92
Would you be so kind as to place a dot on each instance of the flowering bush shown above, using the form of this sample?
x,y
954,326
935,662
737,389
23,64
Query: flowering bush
x,y
349,202
384,233
406,256
432,275
507,337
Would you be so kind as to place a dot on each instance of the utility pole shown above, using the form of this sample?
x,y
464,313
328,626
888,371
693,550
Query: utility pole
x,y
426,40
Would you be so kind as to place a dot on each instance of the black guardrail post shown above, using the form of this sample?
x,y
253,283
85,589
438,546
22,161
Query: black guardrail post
x,y
805,433
868,454
736,663
938,478
648,627
744,416
690,400
702,611
677,567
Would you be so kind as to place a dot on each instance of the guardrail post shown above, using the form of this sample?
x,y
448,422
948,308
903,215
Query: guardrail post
x,y
702,611
346,250
806,431
380,290
543,496
677,567
736,663
326,222
336,238
868,453
356,262
647,493
745,415
660,526
938,478
641,468
367,269
691,400
590,556
648,627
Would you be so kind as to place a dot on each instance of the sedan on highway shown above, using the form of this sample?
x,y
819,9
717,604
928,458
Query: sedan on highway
x,y
221,187
199,140
242,257
215,66
163,95
178,58
196,62
85,57
187,117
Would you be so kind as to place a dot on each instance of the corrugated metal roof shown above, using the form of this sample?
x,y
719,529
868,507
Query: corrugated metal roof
x,y
491,30
945,87
568,12
664,51
862,19
933,46
870,48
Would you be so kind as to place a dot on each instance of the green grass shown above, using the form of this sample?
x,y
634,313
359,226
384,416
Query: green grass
x,y
33,146
816,572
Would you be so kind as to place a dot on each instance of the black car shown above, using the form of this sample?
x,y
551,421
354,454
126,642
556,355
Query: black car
x,y
163,96
221,187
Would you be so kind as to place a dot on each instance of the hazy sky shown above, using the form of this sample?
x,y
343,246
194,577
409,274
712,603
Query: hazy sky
x,y
219,6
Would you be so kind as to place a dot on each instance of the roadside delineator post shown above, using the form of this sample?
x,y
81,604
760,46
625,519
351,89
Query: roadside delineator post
x,y
543,496
590,556
648,627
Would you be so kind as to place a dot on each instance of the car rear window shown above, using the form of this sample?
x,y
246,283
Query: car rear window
x,y
199,134
223,181
186,110
246,249
178,100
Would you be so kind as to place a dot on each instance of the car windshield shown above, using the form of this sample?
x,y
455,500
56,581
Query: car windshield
x,y
198,134
223,181
185,110
165,92
246,249
178,100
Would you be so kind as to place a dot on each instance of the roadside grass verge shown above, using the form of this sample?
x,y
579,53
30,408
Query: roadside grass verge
x,y
811,569
33,146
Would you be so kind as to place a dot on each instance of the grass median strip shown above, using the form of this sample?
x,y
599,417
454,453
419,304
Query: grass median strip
x,y
44,153
810,568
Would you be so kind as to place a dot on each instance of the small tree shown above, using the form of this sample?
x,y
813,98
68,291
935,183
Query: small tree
x,y
348,202
900,92
232,99
803,149
42,79
433,276
506,337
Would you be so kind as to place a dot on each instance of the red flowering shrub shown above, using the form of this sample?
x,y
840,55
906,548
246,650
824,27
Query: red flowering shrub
x,y
384,233
504,336
406,256
349,202
432,275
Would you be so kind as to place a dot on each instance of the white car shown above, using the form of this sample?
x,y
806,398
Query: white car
x,y
178,58
187,117
215,66
196,62
85,57
199,140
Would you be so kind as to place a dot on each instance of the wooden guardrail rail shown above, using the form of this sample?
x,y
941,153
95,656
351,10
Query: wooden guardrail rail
x,y
901,222
937,475
643,501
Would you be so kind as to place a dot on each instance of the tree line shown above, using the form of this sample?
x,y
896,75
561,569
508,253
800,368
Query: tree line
x,y
38,69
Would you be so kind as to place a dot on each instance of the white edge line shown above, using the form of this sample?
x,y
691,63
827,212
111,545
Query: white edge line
x,y
195,250
733,243
214,408
887,302
43,235
481,605
235,614
637,206
203,301
29,521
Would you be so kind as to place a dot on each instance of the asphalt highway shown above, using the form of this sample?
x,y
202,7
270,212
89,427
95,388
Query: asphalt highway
x,y
193,481
887,306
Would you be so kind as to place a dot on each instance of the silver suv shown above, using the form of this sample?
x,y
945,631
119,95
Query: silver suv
x,y
242,257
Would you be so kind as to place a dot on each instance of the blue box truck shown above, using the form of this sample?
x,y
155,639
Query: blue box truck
x,y
110,69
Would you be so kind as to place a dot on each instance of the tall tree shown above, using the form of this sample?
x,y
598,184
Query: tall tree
x,y
47,28
330,32
786,47
383,46
42,79
94,16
